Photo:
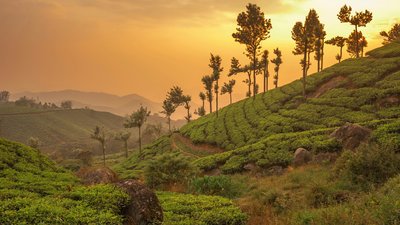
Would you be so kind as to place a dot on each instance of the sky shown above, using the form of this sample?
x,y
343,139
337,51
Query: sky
x,y
146,47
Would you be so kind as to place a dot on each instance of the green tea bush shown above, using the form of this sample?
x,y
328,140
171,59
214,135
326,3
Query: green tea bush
x,y
221,185
183,209
168,169
368,166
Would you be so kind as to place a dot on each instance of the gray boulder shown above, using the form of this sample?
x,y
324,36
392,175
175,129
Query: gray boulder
x,y
301,157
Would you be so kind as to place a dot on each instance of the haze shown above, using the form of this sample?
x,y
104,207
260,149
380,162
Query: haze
x,y
145,47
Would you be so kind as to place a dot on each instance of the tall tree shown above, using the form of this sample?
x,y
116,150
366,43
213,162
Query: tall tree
x,y
360,19
186,104
319,45
264,65
175,95
208,82
236,68
202,97
392,35
168,109
355,49
277,61
123,136
339,42
252,29
228,88
100,134
304,37
215,65
137,119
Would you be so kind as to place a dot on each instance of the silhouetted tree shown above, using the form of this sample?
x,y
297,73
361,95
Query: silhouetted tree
x,y
215,65
200,111
277,61
304,36
175,95
66,104
360,19
202,97
123,136
355,49
208,85
186,104
228,88
137,119
252,29
264,65
392,35
339,42
319,45
168,109
236,68
99,134
4,96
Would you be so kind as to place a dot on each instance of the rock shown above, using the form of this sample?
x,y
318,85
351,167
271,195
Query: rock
x,y
144,208
250,167
351,135
275,171
96,175
301,157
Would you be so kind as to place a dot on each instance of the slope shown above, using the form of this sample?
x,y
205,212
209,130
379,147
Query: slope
x,y
62,129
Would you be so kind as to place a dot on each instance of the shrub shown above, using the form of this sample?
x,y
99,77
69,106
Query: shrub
x,y
216,185
369,165
168,169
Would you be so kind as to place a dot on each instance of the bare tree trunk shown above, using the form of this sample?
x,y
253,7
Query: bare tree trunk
x,y
319,56
254,74
169,121
322,55
216,99
304,69
341,54
230,97
140,141
277,77
126,148
358,54
104,153
249,85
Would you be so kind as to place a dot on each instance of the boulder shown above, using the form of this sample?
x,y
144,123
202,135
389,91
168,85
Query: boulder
x,y
301,157
96,175
351,135
144,208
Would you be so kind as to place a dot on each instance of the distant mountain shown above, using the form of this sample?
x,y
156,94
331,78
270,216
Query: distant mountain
x,y
120,105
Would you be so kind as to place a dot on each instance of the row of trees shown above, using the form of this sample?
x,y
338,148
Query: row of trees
x,y
136,120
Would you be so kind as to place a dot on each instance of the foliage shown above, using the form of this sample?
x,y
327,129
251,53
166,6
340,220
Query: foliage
x,y
368,166
168,169
221,185
182,209
392,35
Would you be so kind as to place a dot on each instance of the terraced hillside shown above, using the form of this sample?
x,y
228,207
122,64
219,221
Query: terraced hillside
x,y
62,130
266,130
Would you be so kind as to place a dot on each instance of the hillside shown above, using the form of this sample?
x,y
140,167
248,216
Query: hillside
x,y
266,131
63,129
120,105
33,190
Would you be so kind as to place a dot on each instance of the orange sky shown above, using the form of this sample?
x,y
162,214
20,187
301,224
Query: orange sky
x,y
145,47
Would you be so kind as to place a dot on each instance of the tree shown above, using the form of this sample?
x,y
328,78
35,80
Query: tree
x,y
355,49
66,104
228,88
319,45
236,68
137,119
175,95
200,111
304,37
392,35
123,136
215,65
4,96
168,109
339,42
100,134
186,104
360,19
202,97
252,29
264,64
277,61
208,85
